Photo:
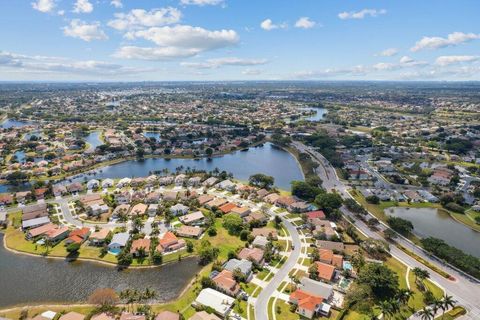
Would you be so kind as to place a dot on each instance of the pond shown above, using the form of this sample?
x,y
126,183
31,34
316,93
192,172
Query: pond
x,y
267,159
431,222
10,123
30,279
320,113
152,134
93,139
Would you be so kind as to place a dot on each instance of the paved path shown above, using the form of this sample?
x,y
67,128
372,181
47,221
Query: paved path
x,y
465,290
261,304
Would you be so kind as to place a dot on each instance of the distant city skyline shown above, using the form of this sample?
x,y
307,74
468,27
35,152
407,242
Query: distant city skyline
x,y
205,40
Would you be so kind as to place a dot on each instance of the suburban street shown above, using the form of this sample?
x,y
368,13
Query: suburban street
x,y
261,304
464,289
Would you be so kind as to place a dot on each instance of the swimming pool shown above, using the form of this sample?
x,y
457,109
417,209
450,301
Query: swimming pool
x,y
114,251
347,265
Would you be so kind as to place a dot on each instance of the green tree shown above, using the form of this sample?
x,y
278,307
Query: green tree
x,y
328,201
260,180
233,223
382,280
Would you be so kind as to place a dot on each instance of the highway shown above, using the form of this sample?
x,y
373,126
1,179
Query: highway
x,y
261,304
464,289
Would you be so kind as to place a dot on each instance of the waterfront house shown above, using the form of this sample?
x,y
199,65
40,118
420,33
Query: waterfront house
x,y
119,241
140,247
98,238
57,234
78,236
72,316
170,242
3,219
209,182
107,183
6,199
33,223
75,187
59,190
226,185
39,231
93,184
219,302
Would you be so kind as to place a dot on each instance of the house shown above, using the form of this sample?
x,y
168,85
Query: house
x,y
241,211
325,271
170,195
285,201
203,315
179,209
6,199
34,211
245,266
98,237
72,316
59,190
122,197
195,218
307,304
332,245
271,198
93,184
210,182
119,241
107,183
78,236
256,216
120,210
253,254
227,207
75,187
130,316
194,181
167,315
96,209
226,185
299,206
219,302
153,197
189,232
204,198
140,245
33,223
266,232
179,179
260,242
39,231
225,283
139,209
215,203
318,214
170,242
103,316
152,210
317,288
124,182
22,196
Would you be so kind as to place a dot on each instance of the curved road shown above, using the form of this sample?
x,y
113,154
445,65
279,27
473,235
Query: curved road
x,y
261,304
464,289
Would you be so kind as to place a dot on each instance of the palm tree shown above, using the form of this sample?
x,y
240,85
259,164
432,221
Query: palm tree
x,y
426,313
404,295
447,302
387,309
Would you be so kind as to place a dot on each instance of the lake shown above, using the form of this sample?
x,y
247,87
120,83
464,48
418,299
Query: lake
x,y
10,123
430,222
93,139
266,159
29,279
320,113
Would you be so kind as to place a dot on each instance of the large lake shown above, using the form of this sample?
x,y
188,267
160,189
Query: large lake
x,y
267,159
26,279
319,114
10,123
430,222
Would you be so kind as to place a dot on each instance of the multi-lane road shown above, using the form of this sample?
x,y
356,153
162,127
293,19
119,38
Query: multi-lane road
x,y
464,289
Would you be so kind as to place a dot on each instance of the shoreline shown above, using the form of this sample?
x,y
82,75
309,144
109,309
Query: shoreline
x,y
89,260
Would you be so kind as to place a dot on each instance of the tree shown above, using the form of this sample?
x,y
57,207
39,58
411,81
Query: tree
x,y
426,314
104,297
382,280
328,201
260,180
373,199
233,223
304,190
313,272
446,302
157,257
207,252
420,275
73,248
402,226
189,244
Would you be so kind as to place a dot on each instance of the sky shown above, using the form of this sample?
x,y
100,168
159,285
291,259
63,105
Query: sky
x,y
205,40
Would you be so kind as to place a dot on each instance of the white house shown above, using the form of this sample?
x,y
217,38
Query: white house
x,y
107,183
93,184
123,182
178,209
221,303
119,241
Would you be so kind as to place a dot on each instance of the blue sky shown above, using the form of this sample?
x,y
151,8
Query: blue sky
x,y
136,40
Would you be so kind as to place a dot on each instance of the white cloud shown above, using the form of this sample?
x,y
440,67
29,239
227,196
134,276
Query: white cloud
x,y
61,12
85,31
385,66
44,5
268,25
452,39
390,52
117,3
305,23
139,18
251,72
361,14
201,2
13,61
219,62
177,41
82,6
448,60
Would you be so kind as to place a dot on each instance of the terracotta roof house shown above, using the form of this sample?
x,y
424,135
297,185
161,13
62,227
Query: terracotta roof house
x,y
6,199
189,232
241,211
131,316
170,242
227,207
218,202
325,271
204,198
121,209
72,316
285,201
139,209
266,232
39,231
225,283
318,214
307,303
254,254
98,237
138,244
57,234
256,216
271,198
167,315
103,316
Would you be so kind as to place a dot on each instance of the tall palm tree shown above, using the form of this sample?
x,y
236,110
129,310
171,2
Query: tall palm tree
x,y
404,295
426,313
447,302
387,309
